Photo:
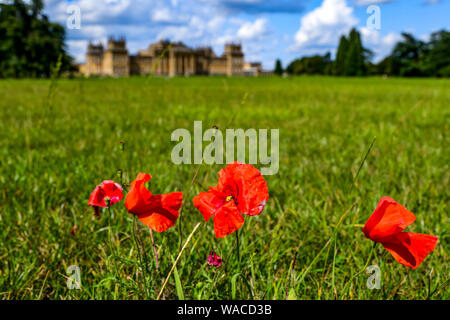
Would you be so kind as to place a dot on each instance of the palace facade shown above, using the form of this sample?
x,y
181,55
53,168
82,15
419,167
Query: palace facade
x,y
164,58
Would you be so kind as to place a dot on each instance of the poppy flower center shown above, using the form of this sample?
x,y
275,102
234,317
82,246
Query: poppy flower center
x,y
229,198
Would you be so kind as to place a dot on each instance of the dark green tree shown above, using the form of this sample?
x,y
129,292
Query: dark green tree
x,y
382,68
356,56
407,57
341,57
30,45
314,65
278,68
437,59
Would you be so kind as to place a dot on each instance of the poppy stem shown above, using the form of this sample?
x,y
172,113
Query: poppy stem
x,y
180,229
237,247
154,250
110,242
140,255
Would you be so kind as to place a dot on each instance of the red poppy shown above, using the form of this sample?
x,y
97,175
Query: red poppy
x,y
158,212
241,190
386,224
214,260
105,195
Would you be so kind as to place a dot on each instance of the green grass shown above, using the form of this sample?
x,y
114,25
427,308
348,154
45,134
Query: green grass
x,y
54,151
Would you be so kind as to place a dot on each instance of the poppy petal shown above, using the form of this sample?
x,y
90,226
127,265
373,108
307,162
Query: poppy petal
x,y
252,193
208,203
163,211
389,218
410,249
107,189
158,212
227,219
226,184
112,190
97,198
139,196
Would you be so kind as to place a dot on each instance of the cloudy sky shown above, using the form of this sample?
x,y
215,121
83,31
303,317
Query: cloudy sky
x,y
267,29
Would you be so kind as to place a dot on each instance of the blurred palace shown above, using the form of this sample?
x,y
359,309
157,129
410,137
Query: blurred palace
x,y
166,58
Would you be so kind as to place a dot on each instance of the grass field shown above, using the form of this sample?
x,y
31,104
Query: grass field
x,y
57,145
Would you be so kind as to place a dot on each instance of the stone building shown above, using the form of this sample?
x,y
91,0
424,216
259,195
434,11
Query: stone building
x,y
253,69
94,60
163,58
115,59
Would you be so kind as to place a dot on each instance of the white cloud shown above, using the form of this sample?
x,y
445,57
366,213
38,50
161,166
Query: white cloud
x,y
195,29
322,27
380,45
162,15
77,48
425,37
216,23
391,39
253,30
220,41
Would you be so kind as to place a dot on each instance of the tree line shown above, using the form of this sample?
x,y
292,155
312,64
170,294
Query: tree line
x,y
410,57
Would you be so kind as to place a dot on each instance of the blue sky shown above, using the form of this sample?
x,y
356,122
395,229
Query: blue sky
x,y
267,29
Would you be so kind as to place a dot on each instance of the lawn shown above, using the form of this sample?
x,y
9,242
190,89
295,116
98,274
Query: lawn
x,y
60,139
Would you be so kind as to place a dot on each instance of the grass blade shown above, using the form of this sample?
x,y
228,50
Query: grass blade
x,y
178,285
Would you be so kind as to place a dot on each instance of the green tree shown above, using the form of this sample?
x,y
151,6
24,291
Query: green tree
x,y
355,58
407,57
437,59
314,65
278,68
383,67
30,45
341,57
